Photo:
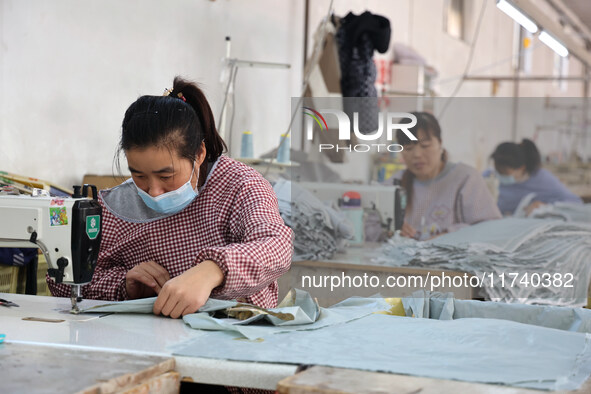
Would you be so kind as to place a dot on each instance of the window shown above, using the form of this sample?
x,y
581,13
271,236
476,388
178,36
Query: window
x,y
454,19
523,49
560,69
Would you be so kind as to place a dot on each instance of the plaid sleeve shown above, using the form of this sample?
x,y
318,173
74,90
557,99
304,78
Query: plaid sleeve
x,y
57,290
264,248
108,282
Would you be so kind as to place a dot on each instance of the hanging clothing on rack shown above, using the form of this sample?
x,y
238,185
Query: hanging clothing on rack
x,y
357,38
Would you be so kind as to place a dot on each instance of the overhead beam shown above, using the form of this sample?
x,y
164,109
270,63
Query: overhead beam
x,y
553,27
572,17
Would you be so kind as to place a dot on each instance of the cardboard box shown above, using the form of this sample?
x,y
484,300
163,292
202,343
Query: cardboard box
x,y
103,181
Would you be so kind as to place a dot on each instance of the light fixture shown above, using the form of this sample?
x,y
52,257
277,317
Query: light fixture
x,y
553,43
517,15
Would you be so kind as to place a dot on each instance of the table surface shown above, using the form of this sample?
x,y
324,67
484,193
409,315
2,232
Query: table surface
x,y
135,334
59,370
154,337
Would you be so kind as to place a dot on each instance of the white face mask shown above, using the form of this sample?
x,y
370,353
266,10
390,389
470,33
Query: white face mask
x,y
173,201
506,179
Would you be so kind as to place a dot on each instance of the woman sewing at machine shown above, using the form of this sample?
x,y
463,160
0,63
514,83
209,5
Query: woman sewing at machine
x,y
519,171
190,223
442,196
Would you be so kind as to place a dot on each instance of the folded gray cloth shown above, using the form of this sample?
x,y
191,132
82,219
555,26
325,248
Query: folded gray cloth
x,y
318,228
435,305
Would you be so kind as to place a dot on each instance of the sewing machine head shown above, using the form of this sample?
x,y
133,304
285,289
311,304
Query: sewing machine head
x,y
66,229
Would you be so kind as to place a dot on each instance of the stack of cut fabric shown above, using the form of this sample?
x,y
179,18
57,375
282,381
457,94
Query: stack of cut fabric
x,y
530,260
318,228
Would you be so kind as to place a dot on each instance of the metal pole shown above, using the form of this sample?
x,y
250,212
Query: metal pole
x,y
585,130
306,27
516,88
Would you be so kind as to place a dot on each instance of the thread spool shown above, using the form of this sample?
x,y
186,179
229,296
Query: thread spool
x,y
284,148
246,145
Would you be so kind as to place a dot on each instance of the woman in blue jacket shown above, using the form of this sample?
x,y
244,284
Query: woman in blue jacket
x,y
520,173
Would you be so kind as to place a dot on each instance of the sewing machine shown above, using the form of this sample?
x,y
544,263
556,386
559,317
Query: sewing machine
x,y
66,229
390,201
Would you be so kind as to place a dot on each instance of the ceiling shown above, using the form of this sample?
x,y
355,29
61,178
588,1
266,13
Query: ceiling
x,y
582,10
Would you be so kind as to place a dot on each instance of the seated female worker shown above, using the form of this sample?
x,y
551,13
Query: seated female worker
x,y
519,171
190,223
441,196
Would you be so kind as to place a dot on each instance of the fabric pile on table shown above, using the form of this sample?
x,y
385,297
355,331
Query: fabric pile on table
x,y
319,229
553,253
465,347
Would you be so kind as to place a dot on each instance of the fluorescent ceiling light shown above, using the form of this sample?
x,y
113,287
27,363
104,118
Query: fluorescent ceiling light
x,y
553,43
517,15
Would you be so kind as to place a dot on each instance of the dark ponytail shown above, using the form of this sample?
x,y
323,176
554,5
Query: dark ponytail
x,y
179,121
512,155
196,99
430,126
533,160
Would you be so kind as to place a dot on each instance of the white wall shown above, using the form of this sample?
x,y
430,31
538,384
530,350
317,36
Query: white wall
x,y
69,69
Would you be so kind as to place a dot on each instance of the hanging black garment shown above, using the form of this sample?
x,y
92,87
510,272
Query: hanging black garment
x,y
357,37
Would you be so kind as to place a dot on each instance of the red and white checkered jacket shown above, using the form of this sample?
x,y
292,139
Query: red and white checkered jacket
x,y
234,221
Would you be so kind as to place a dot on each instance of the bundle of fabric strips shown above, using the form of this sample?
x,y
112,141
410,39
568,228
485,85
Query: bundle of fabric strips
x,y
528,261
319,229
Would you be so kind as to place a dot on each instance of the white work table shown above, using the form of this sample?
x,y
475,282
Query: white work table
x,y
118,344
135,334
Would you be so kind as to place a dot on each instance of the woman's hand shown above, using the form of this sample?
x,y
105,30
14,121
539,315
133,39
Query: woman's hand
x,y
408,231
189,291
438,234
145,280
530,208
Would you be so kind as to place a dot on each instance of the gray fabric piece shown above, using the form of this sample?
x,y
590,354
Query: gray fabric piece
x,y
434,305
569,212
499,235
474,350
146,305
297,302
346,311
504,247
420,305
124,201
141,305
307,315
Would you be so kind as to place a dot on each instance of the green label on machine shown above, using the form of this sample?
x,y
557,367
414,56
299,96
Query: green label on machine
x,y
93,226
